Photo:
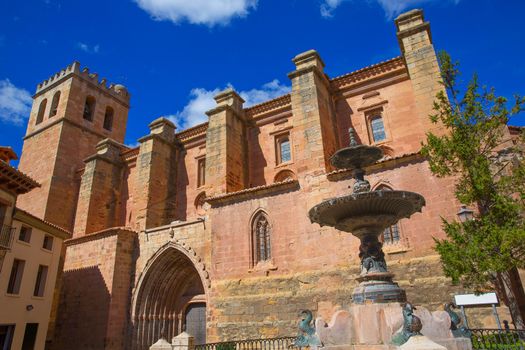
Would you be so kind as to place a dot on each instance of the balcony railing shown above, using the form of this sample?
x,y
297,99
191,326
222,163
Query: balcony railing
x,y
6,237
254,344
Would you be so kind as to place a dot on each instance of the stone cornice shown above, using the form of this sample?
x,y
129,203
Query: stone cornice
x,y
223,108
425,26
368,73
250,193
193,132
343,174
158,138
324,78
99,235
64,119
264,108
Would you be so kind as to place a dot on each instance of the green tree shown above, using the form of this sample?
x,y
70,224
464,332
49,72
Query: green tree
x,y
486,252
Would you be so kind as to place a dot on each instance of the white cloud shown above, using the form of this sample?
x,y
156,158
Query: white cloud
x,y
87,48
201,101
207,12
15,103
392,8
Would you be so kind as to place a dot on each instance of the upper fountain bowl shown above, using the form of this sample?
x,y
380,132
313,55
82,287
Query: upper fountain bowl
x,y
356,157
367,212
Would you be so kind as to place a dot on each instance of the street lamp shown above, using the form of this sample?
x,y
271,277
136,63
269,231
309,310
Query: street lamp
x,y
465,214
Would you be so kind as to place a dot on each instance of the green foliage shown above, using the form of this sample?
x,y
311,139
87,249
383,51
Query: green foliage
x,y
490,174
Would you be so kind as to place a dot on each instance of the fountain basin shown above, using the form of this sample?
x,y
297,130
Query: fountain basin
x,y
356,157
367,212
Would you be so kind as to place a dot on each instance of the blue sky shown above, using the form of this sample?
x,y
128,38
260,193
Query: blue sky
x,y
173,55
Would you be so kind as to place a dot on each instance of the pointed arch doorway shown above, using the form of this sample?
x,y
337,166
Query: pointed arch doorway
x,y
170,298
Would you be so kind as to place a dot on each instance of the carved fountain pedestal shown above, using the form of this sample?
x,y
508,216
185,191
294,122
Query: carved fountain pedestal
x,y
376,313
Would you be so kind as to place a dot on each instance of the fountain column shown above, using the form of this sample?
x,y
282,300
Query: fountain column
x,y
366,214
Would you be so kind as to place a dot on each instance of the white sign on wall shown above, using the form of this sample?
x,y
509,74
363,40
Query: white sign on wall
x,y
475,300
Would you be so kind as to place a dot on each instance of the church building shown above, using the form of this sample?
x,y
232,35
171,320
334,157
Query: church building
x,y
206,229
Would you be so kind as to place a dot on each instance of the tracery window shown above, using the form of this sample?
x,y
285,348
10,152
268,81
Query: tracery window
x,y
41,111
261,232
378,128
54,104
390,234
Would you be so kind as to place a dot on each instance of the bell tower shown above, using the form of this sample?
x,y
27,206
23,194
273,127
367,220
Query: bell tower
x,y
72,111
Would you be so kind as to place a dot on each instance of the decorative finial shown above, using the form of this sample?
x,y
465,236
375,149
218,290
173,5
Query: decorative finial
x,y
351,133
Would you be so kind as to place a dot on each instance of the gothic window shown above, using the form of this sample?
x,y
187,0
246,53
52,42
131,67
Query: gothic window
x,y
108,118
201,172
261,232
89,108
54,104
283,149
391,234
41,111
378,128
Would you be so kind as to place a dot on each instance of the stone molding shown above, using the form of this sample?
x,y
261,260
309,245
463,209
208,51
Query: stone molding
x,y
99,235
249,193
344,174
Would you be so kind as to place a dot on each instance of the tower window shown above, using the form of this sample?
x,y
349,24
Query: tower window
x,y
89,108
283,149
15,279
201,172
378,128
54,104
41,111
261,232
108,118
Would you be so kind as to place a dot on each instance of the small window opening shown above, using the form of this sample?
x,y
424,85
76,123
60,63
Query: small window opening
x,y
25,234
108,118
54,104
48,243
89,108
41,111
201,172
283,149
378,128
15,279
40,283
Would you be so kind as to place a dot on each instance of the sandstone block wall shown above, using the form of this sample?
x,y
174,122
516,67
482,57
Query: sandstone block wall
x,y
94,302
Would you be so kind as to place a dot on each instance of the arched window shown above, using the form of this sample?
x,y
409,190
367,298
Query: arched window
x,y
54,104
378,128
391,234
41,111
108,118
261,232
89,108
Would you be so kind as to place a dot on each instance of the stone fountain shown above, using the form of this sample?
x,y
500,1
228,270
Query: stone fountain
x,y
376,312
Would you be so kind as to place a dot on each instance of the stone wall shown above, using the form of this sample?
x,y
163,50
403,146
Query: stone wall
x,y
94,303
268,306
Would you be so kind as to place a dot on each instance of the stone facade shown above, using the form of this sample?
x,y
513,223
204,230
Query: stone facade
x,y
158,233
